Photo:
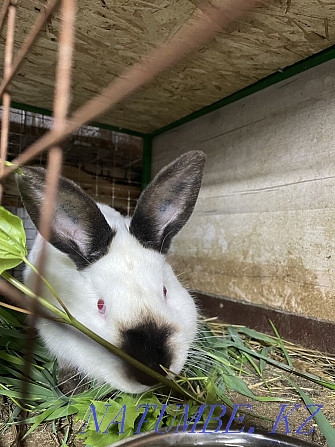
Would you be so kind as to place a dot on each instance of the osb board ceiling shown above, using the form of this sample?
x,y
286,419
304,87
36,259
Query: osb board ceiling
x,y
112,35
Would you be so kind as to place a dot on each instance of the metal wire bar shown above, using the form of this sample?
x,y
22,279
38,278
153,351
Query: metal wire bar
x,y
21,300
61,104
29,41
54,164
6,99
190,36
3,12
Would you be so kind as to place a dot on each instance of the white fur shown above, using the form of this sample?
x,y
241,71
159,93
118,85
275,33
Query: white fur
x,y
130,279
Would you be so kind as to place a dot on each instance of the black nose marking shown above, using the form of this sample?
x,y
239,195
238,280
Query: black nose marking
x,y
147,343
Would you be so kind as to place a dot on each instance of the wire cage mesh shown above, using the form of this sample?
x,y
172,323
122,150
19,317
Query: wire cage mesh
x,y
105,163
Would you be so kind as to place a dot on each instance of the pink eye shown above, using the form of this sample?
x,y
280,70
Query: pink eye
x,y
101,306
164,291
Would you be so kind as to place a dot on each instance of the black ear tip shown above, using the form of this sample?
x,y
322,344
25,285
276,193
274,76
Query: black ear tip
x,y
199,154
32,171
29,175
195,158
26,171
202,157
21,177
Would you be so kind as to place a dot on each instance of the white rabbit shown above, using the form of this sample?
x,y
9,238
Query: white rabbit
x,y
112,274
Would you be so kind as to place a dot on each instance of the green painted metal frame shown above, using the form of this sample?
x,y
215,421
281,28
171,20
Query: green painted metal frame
x,y
47,112
147,156
288,72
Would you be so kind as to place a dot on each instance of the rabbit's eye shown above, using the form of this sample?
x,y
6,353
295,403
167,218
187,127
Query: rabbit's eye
x,y
101,306
164,291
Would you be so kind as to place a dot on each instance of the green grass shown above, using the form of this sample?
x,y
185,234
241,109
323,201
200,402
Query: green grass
x,y
224,359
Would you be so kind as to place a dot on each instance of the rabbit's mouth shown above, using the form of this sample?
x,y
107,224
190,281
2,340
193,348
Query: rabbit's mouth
x,y
148,343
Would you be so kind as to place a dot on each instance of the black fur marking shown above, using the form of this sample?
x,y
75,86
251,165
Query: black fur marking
x,y
147,343
91,235
96,249
168,202
179,188
165,205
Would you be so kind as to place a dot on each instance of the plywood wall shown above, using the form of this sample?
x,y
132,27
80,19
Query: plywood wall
x,y
263,230
113,35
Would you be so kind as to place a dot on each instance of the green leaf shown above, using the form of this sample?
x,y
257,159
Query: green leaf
x,y
258,335
15,360
282,345
11,317
239,343
238,385
325,428
308,376
39,420
34,389
65,410
13,248
264,352
17,395
17,170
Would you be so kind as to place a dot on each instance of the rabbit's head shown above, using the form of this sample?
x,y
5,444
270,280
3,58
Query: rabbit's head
x,y
112,274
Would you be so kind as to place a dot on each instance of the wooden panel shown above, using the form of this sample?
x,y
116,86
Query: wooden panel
x,y
264,227
112,35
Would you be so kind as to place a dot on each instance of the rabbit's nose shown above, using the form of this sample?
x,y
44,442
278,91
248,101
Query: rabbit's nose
x,y
147,343
142,377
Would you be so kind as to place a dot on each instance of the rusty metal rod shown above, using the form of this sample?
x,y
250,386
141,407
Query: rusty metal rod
x,y
190,37
61,105
8,58
22,301
64,67
54,165
28,43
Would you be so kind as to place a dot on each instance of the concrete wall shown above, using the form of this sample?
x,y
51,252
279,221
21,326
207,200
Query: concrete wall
x,y
263,230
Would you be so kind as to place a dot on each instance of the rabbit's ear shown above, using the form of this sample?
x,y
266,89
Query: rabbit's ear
x,y
168,201
78,228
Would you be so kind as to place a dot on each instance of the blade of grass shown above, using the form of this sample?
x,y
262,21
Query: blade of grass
x,y
38,421
258,335
325,428
282,345
10,318
308,376
239,343
18,309
262,363
238,385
